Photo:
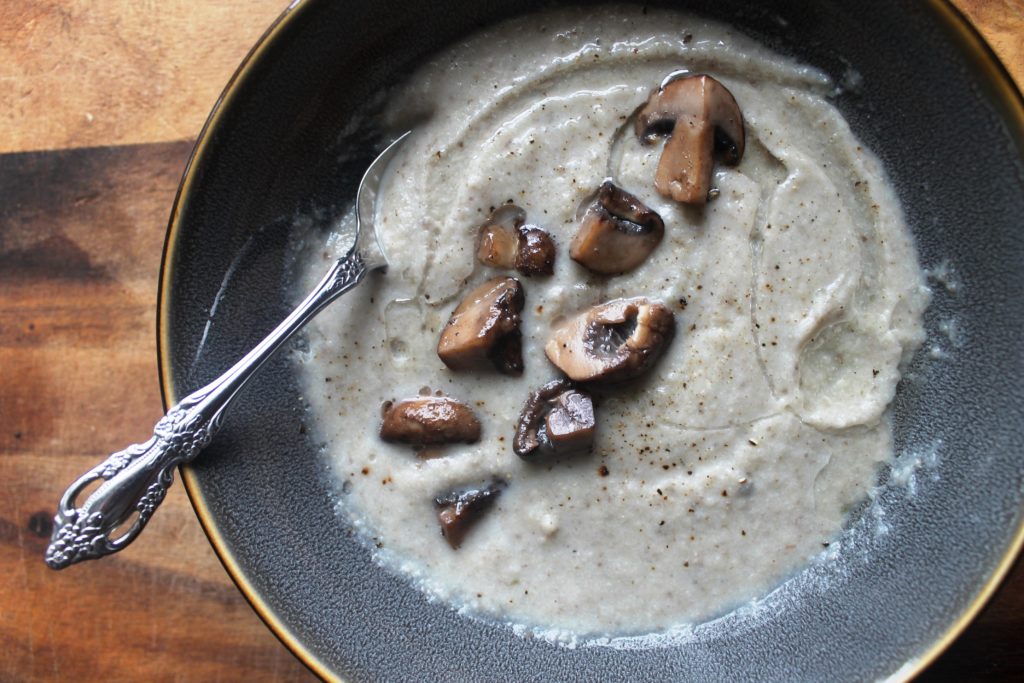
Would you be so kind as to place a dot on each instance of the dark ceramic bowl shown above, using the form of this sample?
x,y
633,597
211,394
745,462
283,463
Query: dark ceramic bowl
x,y
949,126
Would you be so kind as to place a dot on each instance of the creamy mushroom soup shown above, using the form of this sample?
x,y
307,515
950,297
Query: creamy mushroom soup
x,y
777,304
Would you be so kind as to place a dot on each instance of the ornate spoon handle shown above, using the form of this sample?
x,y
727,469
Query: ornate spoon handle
x,y
135,480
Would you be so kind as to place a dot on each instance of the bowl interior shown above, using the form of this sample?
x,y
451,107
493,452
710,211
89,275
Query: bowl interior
x,y
950,134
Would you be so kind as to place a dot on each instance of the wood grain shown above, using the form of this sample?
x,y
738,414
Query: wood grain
x,y
80,239
78,73
1002,24
112,94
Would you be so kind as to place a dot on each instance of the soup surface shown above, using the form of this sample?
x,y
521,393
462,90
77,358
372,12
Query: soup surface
x,y
735,460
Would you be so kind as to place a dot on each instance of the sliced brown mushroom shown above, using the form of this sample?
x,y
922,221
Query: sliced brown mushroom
x,y
505,242
460,510
558,419
483,330
497,246
614,341
617,234
535,253
699,115
430,420
498,238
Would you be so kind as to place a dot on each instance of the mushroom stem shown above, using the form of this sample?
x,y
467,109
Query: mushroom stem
x,y
687,154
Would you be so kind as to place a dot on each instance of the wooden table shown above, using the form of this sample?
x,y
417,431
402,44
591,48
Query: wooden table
x,y
100,103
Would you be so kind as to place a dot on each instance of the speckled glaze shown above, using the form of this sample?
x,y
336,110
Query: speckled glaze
x,y
951,138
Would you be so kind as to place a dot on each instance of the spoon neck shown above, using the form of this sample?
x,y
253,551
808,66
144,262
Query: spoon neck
x,y
345,273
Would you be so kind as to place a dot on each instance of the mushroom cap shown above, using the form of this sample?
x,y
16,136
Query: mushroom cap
x,y
699,115
614,341
618,232
430,420
484,328
699,96
535,253
556,418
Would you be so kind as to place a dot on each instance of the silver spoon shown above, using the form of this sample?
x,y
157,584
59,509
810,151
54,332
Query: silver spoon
x,y
135,480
